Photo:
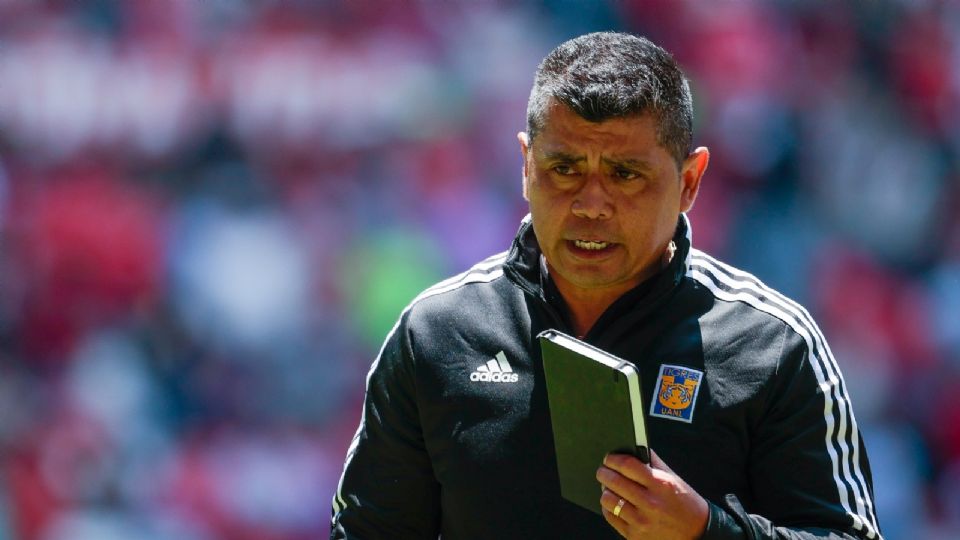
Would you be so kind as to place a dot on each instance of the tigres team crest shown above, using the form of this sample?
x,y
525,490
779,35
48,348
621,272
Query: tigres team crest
x,y
677,389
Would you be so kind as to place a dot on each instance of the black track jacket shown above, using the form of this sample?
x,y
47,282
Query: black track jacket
x,y
769,439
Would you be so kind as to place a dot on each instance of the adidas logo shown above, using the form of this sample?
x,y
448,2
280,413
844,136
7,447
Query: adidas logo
x,y
497,369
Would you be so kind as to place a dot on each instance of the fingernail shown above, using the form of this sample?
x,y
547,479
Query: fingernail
x,y
603,474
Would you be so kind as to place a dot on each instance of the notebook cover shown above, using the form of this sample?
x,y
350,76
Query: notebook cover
x,y
592,413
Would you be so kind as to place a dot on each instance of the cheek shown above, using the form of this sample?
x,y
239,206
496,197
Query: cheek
x,y
544,201
656,202
548,216
649,219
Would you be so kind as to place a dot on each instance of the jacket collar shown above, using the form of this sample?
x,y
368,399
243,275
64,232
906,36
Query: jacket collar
x,y
523,266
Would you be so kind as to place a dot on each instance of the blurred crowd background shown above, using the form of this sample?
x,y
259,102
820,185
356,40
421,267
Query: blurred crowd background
x,y
212,211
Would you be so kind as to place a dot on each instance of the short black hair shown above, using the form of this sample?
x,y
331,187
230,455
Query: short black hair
x,y
607,75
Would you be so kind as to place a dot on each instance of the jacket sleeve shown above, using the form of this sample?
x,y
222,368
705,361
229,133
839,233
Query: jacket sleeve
x,y
388,489
808,468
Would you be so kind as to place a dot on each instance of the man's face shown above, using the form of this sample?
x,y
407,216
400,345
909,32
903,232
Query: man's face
x,y
605,198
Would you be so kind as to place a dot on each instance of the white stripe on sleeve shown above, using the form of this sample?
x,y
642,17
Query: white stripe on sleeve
x,y
484,272
846,467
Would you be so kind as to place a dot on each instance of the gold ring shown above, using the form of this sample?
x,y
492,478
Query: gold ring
x,y
618,507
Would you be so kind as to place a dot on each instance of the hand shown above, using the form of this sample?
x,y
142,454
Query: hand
x,y
657,503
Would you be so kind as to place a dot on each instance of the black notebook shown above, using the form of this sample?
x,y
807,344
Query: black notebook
x,y
595,409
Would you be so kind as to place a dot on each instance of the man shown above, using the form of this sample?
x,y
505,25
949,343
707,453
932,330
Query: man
x,y
752,433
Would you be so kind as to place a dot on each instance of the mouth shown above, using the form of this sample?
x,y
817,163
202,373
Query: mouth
x,y
590,248
591,245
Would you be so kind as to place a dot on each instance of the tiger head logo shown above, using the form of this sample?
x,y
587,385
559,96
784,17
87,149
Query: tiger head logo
x,y
676,395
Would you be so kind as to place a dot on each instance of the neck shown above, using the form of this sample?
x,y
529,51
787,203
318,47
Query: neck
x,y
584,313
586,305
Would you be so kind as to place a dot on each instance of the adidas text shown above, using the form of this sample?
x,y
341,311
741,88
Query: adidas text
x,y
494,377
497,369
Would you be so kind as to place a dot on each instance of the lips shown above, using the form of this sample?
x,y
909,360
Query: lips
x,y
591,245
590,248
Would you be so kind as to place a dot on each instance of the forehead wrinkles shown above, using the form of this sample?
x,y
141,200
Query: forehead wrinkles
x,y
618,138
561,122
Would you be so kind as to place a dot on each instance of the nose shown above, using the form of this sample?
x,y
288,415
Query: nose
x,y
593,201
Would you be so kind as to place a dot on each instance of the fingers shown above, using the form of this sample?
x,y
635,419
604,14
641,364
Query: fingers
x,y
631,467
620,485
629,511
610,500
658,463
608,503
617,523
653,501
630,518
655,476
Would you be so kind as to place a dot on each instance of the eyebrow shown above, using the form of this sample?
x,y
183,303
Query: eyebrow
x,y
563,156
628,162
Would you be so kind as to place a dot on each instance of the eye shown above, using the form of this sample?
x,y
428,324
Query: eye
x,y
625,174
563,169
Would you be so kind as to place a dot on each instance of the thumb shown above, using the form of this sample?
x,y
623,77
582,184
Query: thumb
x,y
658,463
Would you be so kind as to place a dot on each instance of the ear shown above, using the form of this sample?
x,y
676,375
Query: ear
x,y
690,174
524,150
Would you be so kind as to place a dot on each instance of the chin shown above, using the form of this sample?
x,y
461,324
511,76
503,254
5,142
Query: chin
x,y
593,281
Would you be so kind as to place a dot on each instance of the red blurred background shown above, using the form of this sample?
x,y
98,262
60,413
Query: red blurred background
x,y
211,212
